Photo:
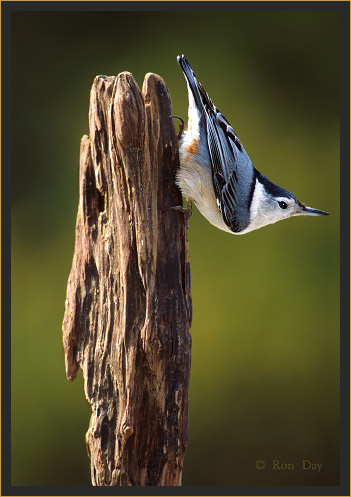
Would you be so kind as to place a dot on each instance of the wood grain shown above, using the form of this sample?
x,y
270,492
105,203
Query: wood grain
x,y
128,306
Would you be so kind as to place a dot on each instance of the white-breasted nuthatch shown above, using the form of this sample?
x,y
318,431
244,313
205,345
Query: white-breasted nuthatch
x,y
217,174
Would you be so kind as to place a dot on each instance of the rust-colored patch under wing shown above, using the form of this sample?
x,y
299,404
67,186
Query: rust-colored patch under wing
x,y
192,148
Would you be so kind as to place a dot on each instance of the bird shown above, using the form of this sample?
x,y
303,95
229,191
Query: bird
x,y
218,176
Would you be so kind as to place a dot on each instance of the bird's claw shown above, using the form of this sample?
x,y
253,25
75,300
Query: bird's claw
x,y
186,211
181,126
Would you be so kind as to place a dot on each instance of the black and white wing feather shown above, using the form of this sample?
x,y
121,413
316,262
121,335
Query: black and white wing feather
x,y
233,172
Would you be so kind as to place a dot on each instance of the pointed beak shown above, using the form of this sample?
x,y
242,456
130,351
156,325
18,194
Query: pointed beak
x,y
308,211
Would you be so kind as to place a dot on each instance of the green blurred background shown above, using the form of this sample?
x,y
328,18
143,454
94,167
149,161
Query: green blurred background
x,y
265,357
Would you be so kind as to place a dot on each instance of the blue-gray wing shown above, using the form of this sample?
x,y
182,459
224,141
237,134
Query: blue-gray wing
x,y
232,168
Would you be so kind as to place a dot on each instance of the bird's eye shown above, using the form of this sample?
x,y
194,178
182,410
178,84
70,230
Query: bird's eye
x,y
283,205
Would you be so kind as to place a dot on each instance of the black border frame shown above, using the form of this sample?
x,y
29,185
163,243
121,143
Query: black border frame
x,y
7,7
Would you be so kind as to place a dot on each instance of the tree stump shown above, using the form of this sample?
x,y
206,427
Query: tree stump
x,y
128,306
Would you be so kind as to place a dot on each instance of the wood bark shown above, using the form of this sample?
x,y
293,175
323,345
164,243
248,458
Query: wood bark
x,y
128,306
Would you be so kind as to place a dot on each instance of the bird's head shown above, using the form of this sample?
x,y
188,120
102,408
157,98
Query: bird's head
x,y
271,203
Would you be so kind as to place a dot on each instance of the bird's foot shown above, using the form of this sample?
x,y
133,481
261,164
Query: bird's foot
x,y
181,126
186,211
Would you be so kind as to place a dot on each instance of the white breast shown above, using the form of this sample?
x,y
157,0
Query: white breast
x,y
195,182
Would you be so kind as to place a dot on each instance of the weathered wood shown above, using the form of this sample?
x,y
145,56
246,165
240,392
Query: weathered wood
x,y
128,306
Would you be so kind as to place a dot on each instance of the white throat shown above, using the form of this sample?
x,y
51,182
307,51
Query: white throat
x,y
257,216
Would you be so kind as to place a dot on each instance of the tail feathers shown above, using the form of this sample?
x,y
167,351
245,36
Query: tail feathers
x,y
200,96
